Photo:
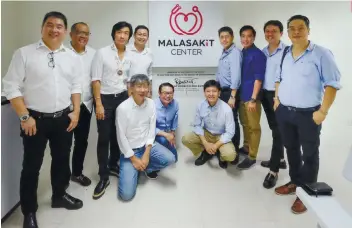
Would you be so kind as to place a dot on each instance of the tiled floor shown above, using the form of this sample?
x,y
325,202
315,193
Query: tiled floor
x,y
183,196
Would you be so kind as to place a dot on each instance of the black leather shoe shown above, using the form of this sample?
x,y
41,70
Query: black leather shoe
x,y
82,180
270,180
66,201
266,164
30,221
243,150
237,159
203,158
152,175
100,188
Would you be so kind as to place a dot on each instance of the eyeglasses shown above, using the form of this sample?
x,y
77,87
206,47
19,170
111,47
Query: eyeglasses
x,y
167,93
51,62
80,33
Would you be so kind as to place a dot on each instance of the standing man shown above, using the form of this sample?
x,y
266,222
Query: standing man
x,y
273,31
253,73
309,73
166,119
79,39
135,120
110,70
229,76
42,80
141,56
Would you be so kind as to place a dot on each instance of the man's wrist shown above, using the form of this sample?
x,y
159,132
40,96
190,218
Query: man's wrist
x,y
24,117
323,112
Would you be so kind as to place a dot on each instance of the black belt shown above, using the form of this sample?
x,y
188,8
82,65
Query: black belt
x,y
114,95
49,115
312,109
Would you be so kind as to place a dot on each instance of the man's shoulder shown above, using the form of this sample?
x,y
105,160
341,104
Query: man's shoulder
x,y
124,105
150,101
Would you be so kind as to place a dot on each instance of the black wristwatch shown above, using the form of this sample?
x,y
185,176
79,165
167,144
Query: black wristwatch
x,y
253,100
24,118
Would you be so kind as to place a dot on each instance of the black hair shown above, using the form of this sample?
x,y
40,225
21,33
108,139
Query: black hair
x,y
248,27
55,14
226,29
299,17
73,27
212,83
120,25
141,27
166,84
276,23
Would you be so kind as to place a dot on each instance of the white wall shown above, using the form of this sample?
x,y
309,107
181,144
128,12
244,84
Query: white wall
x,y
330,26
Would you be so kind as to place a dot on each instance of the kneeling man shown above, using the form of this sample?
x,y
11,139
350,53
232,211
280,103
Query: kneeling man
x,y
214,128
135,123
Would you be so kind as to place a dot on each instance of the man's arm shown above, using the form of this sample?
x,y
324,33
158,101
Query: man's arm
x,y
259,73
121,129
77,83
96,74
151,134
229,129
174,124
235,70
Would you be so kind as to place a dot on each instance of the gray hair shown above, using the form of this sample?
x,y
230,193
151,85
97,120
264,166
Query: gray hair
x,y
139,79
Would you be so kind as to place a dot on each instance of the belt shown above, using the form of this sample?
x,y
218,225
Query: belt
x,y
49,115
225,89
312,109
113,95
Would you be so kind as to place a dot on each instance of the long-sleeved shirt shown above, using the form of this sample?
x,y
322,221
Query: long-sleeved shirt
x,y
166,117
253,68
302,80
217,119
46,79
229,69
141,62
135,125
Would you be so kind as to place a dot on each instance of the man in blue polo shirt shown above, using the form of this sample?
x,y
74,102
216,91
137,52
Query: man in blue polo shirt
x,y
309,73
253,73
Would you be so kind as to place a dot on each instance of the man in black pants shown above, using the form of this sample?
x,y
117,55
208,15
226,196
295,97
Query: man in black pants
x,y
41,81
229,76
110,72
273,31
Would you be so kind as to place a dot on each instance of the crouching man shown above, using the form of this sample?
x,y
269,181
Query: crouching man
x,y
214,128
135,123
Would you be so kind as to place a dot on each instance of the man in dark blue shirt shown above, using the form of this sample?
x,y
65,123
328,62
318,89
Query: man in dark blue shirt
x,y
252,76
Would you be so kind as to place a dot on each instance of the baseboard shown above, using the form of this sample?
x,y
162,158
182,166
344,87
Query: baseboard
x,y
8,214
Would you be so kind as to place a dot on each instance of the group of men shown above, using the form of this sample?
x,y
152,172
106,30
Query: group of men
x,y
53,90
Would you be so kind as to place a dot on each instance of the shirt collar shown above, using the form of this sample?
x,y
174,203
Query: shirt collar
x,y
41,44
113,47
215,106
134,49
71,48
310,47
134,105
280,47
160,104
229,49
250,48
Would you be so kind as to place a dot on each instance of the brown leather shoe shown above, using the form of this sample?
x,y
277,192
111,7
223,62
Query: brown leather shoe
x,y
298,207
287,189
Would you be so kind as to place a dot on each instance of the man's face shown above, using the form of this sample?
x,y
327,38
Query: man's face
x,y
298,31
212,94
141,36
140,90
81,35
226,39
54,30
272,34
166,95
122,36
247,38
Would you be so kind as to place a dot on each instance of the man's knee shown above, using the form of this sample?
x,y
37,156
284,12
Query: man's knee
x,y
187,138
162,140
126,195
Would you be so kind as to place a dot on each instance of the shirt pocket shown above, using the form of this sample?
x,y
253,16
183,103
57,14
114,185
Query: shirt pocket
x,y
308,69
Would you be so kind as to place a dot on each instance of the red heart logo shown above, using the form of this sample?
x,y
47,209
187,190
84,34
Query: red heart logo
x,y
186,23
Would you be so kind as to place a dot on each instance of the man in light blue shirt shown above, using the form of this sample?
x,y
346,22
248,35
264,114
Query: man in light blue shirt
x,y
229,76
305,90
273,51
214,128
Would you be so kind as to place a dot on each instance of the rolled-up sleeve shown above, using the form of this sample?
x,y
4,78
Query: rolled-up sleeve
x,y
259,66
77,80
330,73
229,128
121,128
197,124
13,80
235,68
175,120
151,134
97,66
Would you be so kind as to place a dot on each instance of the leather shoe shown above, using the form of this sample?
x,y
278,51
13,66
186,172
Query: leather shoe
x,y
30,221
66,201
270,180
266,164
203,158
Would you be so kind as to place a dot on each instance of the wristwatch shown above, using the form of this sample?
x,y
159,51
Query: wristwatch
x,y
24,118
233,97
253,100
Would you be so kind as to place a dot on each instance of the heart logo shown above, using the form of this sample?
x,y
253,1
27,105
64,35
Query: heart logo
x,y
186,22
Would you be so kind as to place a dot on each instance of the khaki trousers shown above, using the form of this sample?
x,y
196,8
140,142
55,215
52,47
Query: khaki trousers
x,y
193,142
252,132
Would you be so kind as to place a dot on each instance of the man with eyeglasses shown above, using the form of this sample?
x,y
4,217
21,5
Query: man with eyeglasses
x,y
214,128
166,120
110,74
42,80
305,89
79,39
140,55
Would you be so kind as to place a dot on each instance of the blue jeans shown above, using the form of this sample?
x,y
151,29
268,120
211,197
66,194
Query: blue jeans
x,y
160,157
163,141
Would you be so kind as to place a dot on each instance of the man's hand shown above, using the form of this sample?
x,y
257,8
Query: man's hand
x,y
252,106
74,116
170,137
210,148
318,117
29,127
99,110
145,160
138,163
276,104
231,102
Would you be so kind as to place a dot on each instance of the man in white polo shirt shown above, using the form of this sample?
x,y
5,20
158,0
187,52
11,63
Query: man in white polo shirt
x,y
42,80
141,56
79,39
135,126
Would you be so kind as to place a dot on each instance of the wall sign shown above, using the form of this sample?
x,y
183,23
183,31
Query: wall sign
x,y
185,34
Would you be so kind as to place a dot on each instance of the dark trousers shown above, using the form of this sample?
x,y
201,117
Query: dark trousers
x,y
277,150
53,130
225,96
298,130
81,133
107,134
